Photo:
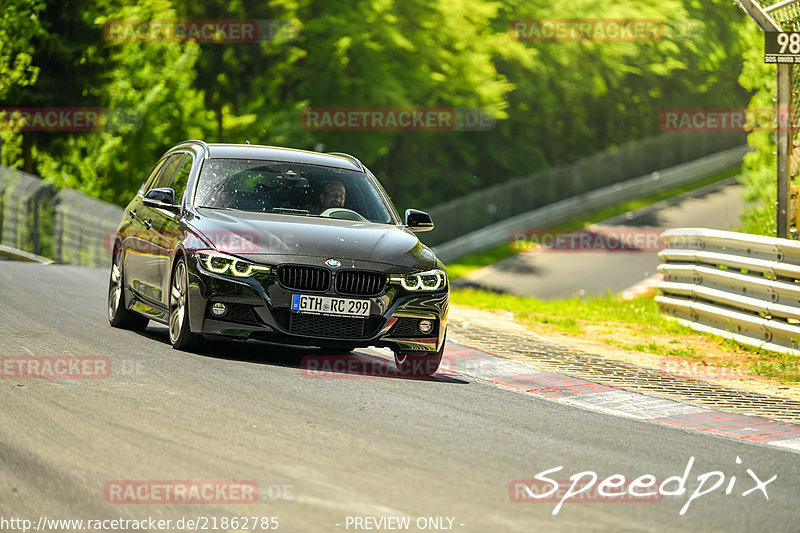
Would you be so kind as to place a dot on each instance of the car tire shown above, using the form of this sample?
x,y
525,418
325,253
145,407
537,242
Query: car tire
x,y
120,316
415,365
180,336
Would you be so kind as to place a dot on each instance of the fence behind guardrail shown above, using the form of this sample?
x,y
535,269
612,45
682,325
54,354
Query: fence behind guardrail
x,y
65,225
562,211
482,208
84,226
26,209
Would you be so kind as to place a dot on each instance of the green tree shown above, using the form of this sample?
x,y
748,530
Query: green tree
x,y
146,90
554,102
410,53
19,24
759,172
573,99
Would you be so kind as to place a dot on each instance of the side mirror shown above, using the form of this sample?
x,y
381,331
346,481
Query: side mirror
x,y
163,198
418,221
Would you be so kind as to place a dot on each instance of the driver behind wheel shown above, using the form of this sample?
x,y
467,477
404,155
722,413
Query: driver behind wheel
x,y
333,196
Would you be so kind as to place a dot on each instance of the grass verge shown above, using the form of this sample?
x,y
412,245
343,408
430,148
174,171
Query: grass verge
x,y
470,263
637,325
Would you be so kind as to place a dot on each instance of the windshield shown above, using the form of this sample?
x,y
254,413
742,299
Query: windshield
x,y
290,189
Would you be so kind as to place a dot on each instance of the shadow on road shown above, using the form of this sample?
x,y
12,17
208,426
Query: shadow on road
x,y
313,363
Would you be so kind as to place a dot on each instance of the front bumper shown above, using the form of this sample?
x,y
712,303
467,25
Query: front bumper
x,y
259,308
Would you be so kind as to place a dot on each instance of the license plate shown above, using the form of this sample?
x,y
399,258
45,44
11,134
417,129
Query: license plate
x,y
328,305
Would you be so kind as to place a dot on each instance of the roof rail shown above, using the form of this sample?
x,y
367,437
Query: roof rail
x,y
350,157
201,143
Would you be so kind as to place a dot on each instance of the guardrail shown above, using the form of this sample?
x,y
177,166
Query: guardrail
x,y
61,224
560,212
740,286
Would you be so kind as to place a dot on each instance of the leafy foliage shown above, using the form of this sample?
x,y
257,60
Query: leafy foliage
x,y
19,24
759,171
553,102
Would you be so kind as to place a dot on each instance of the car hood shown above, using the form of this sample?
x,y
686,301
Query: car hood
x,y
256,236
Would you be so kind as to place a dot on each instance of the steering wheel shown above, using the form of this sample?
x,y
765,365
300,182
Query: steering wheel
x,y
342,213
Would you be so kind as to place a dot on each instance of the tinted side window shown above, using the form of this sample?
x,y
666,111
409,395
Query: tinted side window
x,y
165,178
151,176
182,178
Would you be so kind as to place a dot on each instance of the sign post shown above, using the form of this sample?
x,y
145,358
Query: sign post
x,y
781,48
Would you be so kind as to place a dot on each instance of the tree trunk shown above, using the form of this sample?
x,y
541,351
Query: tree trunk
x,y
27,157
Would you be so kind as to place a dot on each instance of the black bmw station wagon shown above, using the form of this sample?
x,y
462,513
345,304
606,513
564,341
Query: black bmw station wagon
x,y
283,245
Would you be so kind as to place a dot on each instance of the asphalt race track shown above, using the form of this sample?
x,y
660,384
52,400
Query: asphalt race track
x,y
328,449
562,274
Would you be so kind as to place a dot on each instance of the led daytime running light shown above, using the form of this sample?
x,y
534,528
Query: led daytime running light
x,y
223,264
431,280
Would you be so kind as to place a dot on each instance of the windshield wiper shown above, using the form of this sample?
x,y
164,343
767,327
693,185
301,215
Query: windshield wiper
x,y
289,211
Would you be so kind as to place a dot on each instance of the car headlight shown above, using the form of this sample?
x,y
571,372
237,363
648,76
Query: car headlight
x,y
225,264
431,280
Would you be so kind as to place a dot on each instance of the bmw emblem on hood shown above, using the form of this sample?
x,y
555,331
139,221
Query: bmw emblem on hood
x,y
333,263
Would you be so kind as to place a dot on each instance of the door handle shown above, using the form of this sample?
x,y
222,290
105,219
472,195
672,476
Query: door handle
x,y
147,224
133,213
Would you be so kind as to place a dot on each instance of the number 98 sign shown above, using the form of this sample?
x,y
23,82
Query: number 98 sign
x,y
790,42
782,47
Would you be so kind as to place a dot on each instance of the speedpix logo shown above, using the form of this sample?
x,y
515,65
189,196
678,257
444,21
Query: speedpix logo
x,y
585,487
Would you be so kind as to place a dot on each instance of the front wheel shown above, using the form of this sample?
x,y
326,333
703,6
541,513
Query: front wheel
x,y
180,336
411,364
118,315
